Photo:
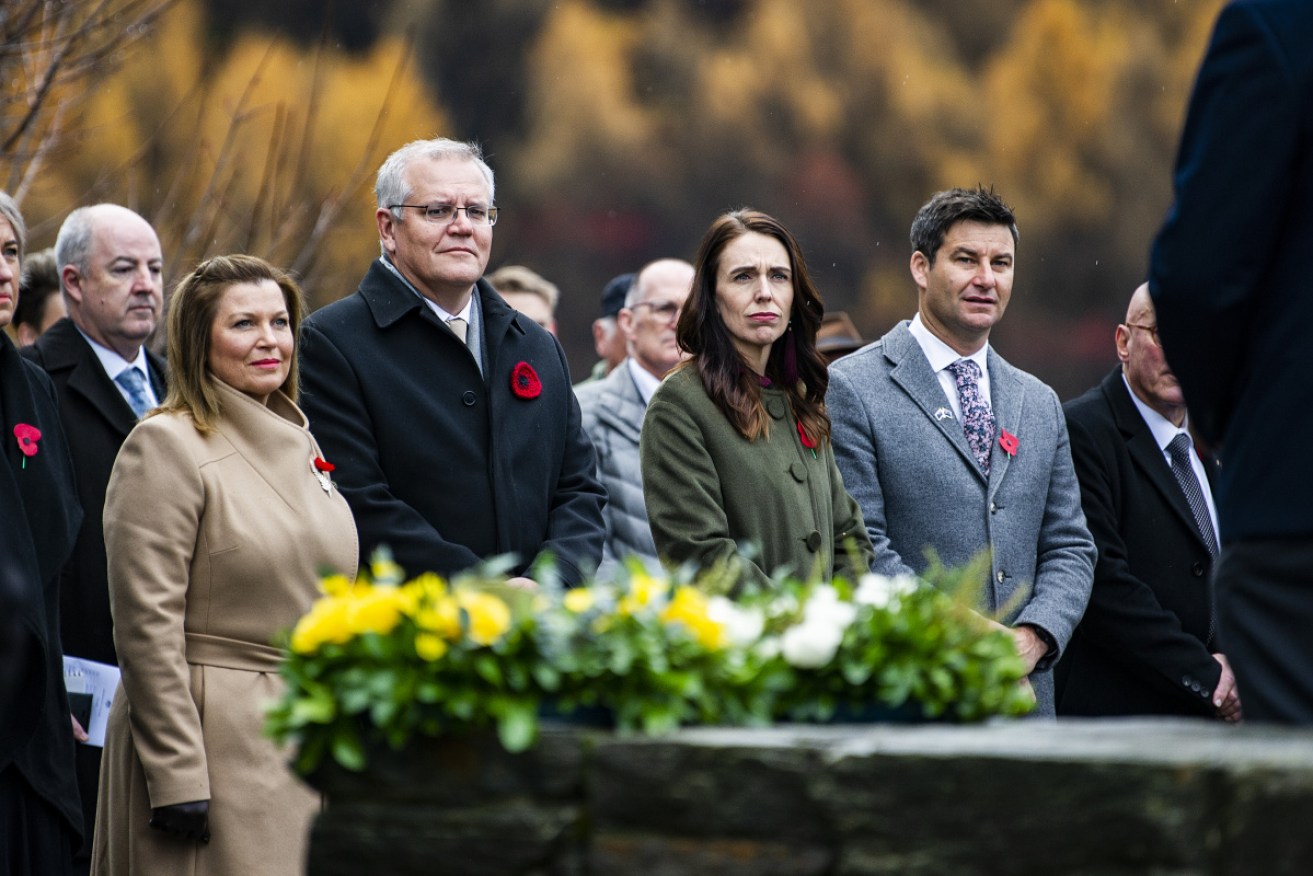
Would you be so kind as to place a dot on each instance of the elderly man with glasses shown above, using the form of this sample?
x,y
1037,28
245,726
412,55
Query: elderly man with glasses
x,y
448,417
613,407
1146,645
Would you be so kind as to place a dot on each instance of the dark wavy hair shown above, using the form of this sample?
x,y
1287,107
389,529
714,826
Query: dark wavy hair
x,y
794,364
192,312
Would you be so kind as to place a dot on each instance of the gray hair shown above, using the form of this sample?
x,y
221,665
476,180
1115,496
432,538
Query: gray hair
x,y
391,186
10,213
73,245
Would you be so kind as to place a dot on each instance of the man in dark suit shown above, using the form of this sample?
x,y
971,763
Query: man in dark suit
x,y
1144,646
449,417
1230,281
111,275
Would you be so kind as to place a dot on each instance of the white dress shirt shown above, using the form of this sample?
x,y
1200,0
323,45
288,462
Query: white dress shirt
x,y
941,356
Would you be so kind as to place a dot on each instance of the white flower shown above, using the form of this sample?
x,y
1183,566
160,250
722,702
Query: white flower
x,y
742,625
768,648
880,591
811,645
825,607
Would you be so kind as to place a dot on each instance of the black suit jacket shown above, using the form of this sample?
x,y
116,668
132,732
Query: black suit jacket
x,y
96,419
39,518
444,465
1142,647
1230,274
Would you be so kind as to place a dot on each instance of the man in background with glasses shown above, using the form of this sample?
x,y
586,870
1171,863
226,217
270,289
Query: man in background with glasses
x,y
613,407
1146,643
448,417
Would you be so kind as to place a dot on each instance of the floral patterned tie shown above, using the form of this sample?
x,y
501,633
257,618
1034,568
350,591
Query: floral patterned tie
x,y
977,418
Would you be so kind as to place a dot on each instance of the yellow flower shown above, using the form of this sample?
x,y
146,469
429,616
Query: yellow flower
x,y
326,621
489,617
429,647
376,611
579,600
689,607
442,618
386,571
336,585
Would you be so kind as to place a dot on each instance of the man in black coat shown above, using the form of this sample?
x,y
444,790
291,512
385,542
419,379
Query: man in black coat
x,y
1144,646
448,417
111,275
1230,279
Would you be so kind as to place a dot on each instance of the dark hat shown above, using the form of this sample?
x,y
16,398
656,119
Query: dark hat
x,y
614,293
838,335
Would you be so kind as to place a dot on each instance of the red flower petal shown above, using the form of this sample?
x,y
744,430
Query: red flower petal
x,y
806,440
322,464
525,382
1008,442
27,437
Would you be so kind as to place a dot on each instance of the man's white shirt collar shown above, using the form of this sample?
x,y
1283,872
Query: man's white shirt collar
x,y
941,355
646,382
114,364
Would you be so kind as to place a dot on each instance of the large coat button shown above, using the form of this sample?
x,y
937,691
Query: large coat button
x,y
813,541
799,471
776,408
468,397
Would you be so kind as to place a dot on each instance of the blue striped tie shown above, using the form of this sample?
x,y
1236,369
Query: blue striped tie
x,y
134,382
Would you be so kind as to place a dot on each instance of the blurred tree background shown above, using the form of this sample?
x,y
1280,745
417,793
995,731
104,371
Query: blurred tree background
x,y
620,128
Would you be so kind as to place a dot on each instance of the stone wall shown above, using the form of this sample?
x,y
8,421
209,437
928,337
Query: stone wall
x,y
1087,797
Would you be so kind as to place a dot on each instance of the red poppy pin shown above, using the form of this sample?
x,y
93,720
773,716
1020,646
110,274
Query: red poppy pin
x,y
27,437
321,469
806,439
525,382
1008,442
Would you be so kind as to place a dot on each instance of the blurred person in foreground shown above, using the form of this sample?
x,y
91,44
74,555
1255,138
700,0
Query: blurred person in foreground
x,y
40,304
449,415
1229,278
736,452
40,815
528,292
221,516
1145,645
952,451
613,407
111,272
608,341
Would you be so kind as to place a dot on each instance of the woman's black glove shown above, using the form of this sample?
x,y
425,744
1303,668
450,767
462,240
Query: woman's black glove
x,y
187,820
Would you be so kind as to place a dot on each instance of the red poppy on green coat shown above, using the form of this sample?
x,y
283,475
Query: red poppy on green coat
x,y
525,382
806,440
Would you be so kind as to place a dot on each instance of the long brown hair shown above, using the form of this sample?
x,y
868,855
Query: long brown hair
x,y
794,364
192,311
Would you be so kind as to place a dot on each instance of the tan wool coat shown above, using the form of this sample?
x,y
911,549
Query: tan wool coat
x,y
215,542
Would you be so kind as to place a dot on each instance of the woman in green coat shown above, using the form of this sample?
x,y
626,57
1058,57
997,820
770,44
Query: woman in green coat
x,y
736,456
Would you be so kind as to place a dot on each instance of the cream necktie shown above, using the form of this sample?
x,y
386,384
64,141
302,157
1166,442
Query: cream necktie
x,y
459,327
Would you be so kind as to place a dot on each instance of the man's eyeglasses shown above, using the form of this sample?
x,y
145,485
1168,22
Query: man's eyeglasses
x,y
662,310
441,214
1151,329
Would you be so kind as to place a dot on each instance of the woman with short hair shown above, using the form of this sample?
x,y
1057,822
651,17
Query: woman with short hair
x,y
219,519
736,441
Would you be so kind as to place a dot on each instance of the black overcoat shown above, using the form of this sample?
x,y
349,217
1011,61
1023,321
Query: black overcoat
x,y
39,517
444,465
1142,647
97,420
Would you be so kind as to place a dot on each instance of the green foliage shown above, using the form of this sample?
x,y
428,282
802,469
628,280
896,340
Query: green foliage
x,y
378,661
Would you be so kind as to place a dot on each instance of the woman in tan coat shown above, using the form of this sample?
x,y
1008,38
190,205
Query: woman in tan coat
x,y
219,519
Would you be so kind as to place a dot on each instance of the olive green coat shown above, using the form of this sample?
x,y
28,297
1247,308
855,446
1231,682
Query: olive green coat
x,y
711,493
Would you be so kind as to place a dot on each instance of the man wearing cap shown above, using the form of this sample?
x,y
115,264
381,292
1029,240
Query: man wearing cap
x,y
608,340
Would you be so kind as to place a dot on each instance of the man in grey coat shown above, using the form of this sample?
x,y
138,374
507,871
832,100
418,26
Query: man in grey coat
x,y
613,407
952,452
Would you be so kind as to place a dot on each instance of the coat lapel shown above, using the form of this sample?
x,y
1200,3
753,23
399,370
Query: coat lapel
x,y
1145,452
910,369
1008,401
87,377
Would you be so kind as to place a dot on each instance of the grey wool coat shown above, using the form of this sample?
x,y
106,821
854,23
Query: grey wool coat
x,y
906,461
612,411
710,491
